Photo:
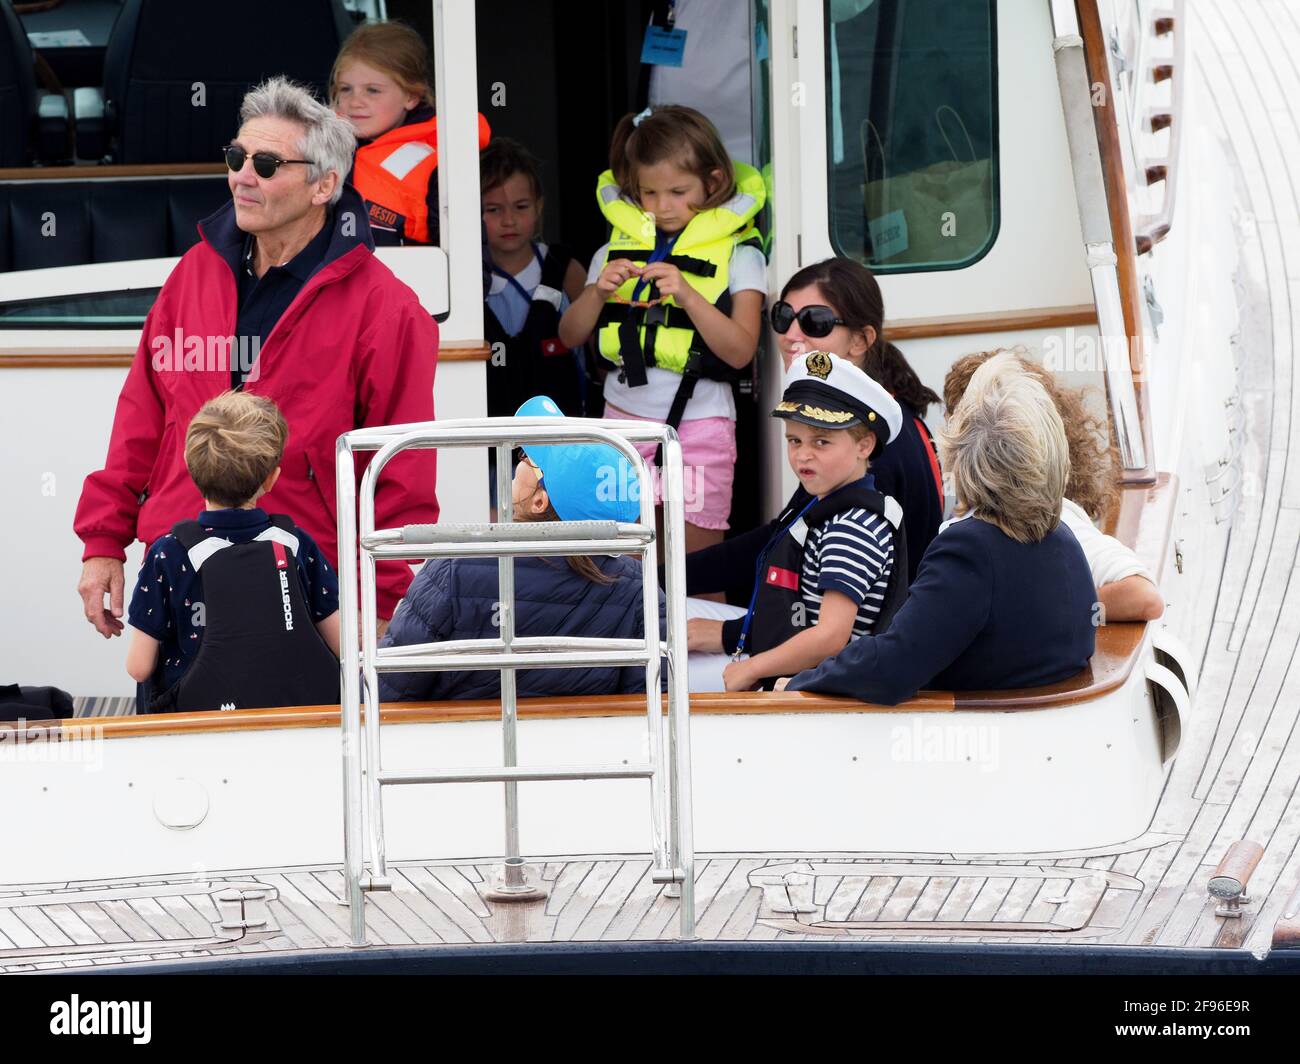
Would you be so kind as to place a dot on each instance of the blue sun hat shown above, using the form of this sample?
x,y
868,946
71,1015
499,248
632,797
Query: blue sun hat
x,y
585,481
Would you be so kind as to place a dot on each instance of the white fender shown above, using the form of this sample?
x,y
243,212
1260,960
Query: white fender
x,y
1175,655
1171,711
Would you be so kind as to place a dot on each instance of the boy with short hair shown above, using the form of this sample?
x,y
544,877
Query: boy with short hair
x,y
531,285
219,622
836,567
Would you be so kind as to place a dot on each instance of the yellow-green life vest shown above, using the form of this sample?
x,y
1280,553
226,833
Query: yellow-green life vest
x,y
663,335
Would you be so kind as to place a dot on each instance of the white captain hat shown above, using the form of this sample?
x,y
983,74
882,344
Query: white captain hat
x,y
828,392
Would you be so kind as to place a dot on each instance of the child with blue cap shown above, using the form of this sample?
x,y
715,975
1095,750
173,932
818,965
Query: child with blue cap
x,y
458,598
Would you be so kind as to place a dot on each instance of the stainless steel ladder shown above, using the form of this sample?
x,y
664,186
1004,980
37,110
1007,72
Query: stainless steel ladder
x,y
361,545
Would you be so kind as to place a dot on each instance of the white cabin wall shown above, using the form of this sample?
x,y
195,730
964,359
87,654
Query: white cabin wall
x,y
1037,258
57,424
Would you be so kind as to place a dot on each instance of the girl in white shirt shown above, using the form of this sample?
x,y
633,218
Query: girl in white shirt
x,y
1126,591
675,299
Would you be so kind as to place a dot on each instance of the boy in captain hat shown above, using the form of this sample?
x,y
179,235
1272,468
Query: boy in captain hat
x,y
836,567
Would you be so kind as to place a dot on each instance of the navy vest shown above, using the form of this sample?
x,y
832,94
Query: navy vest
x,y
260,646
536,362
776,581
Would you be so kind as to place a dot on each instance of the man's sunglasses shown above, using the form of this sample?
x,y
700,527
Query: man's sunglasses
x,y
816,321
264,163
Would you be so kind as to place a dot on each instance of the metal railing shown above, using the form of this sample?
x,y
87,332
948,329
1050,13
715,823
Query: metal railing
x,y
361,545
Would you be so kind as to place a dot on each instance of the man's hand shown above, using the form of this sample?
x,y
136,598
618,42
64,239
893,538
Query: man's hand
x,y
782,683
381,626
703,634
97,576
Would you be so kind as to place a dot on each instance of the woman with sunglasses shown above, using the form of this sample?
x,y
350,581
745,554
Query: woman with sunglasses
x,y
836,306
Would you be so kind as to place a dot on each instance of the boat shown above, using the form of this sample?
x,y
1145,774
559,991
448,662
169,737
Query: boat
x,y
1128,178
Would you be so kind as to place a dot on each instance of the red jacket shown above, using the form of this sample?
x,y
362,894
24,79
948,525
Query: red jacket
x,y
355,348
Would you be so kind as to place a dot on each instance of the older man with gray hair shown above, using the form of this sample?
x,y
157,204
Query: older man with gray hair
x,y
282,296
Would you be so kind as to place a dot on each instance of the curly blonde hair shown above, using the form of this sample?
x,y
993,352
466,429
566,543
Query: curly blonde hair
x,y
1094,461
1005,448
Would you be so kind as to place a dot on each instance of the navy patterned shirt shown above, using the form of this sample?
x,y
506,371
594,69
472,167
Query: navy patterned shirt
x,y
167,602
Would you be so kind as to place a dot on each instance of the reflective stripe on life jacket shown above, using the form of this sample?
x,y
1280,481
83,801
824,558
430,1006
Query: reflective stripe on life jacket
x,y
392,174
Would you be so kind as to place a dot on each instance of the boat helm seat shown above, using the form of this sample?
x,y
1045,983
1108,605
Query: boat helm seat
x,y
71,223
33,123
179,101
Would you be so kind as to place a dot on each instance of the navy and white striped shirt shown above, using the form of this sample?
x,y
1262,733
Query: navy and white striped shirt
x,y
852,553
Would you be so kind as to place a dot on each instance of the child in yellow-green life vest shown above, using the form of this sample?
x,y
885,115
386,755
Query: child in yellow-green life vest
x,y
675,298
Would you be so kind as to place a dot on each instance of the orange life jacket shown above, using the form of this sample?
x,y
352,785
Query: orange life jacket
x,y
392,174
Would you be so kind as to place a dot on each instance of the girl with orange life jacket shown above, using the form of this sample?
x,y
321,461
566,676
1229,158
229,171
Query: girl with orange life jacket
x,y
380,83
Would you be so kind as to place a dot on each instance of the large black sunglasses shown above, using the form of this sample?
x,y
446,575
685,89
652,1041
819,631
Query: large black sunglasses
x,y
815,321
264,163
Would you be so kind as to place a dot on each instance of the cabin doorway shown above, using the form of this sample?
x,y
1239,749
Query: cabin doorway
x,y
557,75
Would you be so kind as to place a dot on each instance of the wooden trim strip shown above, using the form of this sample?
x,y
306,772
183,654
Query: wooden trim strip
x,y
108,172
997,321
38,358
464,351
1106,119
479,710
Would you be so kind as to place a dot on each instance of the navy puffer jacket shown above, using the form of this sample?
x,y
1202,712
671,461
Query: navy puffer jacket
x,y
456,598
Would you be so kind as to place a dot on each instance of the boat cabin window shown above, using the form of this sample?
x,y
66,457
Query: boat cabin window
x,y
911,132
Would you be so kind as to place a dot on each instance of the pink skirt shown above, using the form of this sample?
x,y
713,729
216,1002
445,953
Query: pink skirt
x,y
708,466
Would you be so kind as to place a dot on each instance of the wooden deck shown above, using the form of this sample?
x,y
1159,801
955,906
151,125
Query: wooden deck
x,y
1237,775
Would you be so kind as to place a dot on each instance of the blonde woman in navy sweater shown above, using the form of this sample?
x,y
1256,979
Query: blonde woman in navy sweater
x,y
1003,597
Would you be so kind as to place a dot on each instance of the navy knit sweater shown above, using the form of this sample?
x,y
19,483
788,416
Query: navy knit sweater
x,y
985,613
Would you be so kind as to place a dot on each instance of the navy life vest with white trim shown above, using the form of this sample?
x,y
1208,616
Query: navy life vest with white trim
x,y
535,362
777,582
260,646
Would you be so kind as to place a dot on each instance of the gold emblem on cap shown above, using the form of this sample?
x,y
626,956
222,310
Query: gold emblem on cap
x,y
871,415
835,417
819,365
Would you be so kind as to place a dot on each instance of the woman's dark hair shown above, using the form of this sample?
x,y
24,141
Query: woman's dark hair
x,y
502,159
852,290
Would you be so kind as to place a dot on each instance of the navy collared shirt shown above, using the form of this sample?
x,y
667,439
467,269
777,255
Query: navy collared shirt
x,y
167,602
262,301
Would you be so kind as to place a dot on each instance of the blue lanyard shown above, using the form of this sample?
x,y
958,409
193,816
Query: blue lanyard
x,y
661,252
758,576
511,280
